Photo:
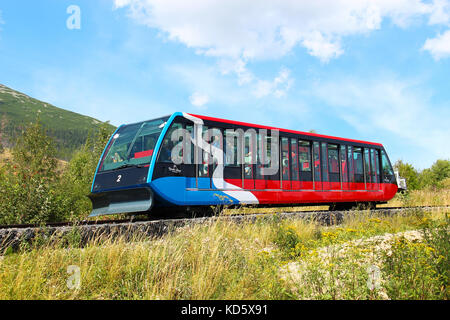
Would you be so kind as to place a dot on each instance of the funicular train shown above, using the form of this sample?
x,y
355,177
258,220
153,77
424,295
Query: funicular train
x,y
193,161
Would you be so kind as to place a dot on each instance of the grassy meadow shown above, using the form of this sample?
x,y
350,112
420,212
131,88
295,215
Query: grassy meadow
x,y
368,256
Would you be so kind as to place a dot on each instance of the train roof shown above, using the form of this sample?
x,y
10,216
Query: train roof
x,y
246,124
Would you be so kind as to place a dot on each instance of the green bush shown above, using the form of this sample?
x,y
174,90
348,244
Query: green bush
x,y
28,193
411,270
287,239
32,190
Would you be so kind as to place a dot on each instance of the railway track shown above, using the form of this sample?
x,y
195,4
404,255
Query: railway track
x,y
12,236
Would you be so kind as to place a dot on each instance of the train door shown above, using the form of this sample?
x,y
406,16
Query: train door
x,y
233,164
351,169
374,156
249,154
333,167
273,161
285,165
295,181
317,169
215,139
324,162
189,158
305,165
367,169
204,170
260,182
344,168
358,167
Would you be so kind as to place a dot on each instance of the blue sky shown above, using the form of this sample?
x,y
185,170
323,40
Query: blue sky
x,y
371,70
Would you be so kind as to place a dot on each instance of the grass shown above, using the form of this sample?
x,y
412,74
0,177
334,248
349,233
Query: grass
x,y
268,259
426,197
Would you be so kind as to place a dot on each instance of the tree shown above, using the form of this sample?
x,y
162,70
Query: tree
x,y
407,171
435,176
28,192
79,174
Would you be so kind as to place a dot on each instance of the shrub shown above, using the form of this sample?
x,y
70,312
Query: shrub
x,y
28,193
411,271
287,239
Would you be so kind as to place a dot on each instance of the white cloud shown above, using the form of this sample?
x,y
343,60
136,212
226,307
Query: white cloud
x,y
241,29
440,12
439,47
319,47
277,87
199,99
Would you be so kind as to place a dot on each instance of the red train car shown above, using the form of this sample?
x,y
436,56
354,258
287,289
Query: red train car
x,y
193,160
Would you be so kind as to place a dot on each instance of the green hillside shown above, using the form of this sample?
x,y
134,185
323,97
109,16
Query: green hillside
x,y
69,129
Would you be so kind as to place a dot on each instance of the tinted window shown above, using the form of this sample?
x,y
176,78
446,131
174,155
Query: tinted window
x,y
294,159
169,143
304,151
324,162
285,158
344,167
132,145
249,153
333,163
367,165
387,169
231,148
351,172
358,160
316,152
205,156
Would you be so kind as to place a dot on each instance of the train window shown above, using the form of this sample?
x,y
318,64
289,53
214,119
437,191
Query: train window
x,y
367,170
231,148
304,152
387,169
294,159
285,158
324,162
351,172
333,162
316,154
216,147
358,164
260,157
168,144
232,168
344,169
357,160
269,157
249,153
189,146
203,167
377,164
132,145
373,163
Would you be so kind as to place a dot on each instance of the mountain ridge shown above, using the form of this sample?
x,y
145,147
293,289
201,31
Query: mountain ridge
x,y
69,129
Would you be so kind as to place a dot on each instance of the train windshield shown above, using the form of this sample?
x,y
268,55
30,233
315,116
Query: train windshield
x,y
132,145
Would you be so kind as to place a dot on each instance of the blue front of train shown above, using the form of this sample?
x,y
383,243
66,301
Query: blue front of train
x,y
122,180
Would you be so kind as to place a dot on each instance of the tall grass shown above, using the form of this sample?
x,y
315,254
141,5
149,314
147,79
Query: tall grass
x,y
217,260
425,197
